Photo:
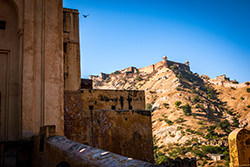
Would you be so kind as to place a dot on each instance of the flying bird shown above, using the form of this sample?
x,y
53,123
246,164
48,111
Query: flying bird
x,y
85,16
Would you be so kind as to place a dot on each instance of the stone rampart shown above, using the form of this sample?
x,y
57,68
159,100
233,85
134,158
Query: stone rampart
x,y
164,63
113,120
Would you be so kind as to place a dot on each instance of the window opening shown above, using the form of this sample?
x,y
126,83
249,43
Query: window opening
x,y
2,25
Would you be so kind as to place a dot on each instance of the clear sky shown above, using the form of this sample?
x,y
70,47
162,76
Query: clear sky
x,y
213,35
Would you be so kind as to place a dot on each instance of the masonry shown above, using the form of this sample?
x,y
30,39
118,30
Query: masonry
x,y
31,78
112,120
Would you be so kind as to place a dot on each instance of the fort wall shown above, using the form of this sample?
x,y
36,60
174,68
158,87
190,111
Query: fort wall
x,y
90,119
164,63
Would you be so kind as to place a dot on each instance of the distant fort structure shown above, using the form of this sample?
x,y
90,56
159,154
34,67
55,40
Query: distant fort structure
x,y
165,63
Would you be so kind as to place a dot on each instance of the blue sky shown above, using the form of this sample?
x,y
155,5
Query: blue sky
x,y
213,35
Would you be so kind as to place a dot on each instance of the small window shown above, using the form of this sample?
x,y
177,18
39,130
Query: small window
x,y
2,25
113,107
65,47
91,107
130,107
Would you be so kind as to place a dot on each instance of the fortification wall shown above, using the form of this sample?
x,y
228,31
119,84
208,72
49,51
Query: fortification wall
x,y
90,120
110,99
180,65
150,68
227,84
167,63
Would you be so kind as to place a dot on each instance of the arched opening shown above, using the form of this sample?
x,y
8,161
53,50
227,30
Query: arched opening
x,y
9,73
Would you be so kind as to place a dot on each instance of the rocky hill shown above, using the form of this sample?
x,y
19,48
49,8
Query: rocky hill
x,y
192,115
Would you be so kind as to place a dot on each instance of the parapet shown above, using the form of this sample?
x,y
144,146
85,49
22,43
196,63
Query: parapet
x,y
77,154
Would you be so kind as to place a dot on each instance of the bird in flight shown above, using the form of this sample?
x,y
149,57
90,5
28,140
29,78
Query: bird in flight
x,y
85,16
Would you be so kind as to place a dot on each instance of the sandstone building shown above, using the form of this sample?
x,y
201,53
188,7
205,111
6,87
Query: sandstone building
x,y
40,86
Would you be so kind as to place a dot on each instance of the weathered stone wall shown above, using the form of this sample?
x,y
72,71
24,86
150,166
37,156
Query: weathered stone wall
x,y
10,109
112,99
36,85
89,119
71,45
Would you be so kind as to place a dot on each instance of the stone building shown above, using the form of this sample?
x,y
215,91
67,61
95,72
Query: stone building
x,y
41,94
31,56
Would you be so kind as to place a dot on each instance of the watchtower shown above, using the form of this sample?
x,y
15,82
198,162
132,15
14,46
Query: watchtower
x,y
165,61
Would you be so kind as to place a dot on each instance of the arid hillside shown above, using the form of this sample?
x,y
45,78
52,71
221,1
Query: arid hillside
x,y
192,115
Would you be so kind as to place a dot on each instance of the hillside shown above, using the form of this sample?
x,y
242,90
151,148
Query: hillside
x,y
192,115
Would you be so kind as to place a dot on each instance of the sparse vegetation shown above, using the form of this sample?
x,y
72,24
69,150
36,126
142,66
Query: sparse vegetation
x,y
224,125
235,122
179,120
107,80
186,109
148,106
248,90
177,104
179,76
194,115
247,83
169,122
196,99
138,78
200,122
198,106
204,162
179,128
233,88
235,82
229,112
117,72
178,88
211,94
166,105
242,98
